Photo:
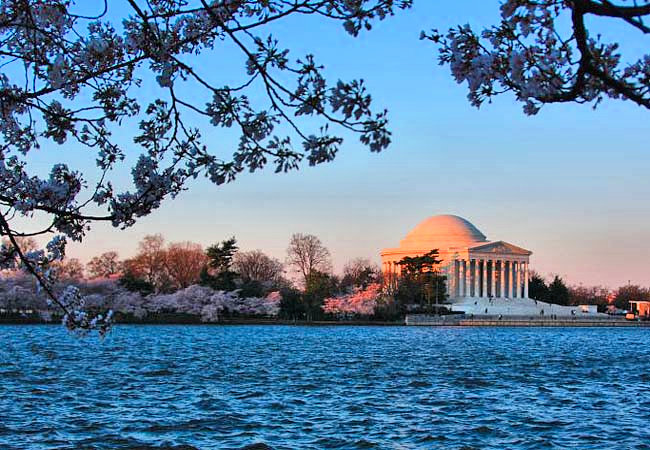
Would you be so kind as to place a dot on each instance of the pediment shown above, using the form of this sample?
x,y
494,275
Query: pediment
x,y
500,247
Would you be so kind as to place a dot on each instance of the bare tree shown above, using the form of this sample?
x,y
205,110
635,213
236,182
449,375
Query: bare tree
x,y
184,262
306,254
104,265
360,272
624,294
68,269
149,263
257,266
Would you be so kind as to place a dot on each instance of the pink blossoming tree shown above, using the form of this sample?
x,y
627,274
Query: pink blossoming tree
x,y
361,302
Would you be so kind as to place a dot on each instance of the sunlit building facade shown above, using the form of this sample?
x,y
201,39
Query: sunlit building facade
x,y
473,265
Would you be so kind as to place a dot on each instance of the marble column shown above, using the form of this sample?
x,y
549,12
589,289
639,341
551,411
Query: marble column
x,y
502,278
457,278
453,279
465,270
526,280
510,279
518,281
484,280
476,277
493,272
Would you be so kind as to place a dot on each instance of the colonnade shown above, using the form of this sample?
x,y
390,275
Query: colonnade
x,y
391,268
477,277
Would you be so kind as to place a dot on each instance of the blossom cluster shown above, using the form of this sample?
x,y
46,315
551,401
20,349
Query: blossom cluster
x,y
535,55
17,293
209,304
360,302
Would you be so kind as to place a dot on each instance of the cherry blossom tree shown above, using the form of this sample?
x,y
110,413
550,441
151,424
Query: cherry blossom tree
x,y
17,291
73,76
28,244
550,51
210,304
361,302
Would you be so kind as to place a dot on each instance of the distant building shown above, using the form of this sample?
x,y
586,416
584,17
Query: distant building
x,y
474,266
640,308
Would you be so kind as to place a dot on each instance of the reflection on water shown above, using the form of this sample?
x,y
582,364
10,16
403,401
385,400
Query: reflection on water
x,y
325,387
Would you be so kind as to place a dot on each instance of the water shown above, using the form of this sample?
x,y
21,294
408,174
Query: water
x,y
325,387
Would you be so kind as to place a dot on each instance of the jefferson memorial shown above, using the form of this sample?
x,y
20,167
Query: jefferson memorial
x,y
475,267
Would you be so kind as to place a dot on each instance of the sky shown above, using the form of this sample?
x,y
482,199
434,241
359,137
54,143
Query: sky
x,y
570,184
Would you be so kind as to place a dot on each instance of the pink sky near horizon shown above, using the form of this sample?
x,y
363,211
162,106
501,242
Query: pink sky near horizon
x,y
608,251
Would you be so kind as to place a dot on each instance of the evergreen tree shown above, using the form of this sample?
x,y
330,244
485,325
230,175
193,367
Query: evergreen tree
x,y
428,262
220,257
133,283
320,285
537,288
558,292
421,282
292,306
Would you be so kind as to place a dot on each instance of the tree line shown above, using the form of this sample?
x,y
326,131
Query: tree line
x,y
556,291
224,281
213,282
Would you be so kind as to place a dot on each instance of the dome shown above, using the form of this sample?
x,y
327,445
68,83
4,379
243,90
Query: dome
x,y
443,232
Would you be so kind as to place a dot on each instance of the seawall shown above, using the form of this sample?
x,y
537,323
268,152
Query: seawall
x,y
523,321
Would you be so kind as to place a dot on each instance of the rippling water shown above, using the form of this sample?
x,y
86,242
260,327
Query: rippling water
x,y
325,387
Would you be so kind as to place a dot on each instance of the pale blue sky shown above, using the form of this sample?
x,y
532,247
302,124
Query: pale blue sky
x,y
571,184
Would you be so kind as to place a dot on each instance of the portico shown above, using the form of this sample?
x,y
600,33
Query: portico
x,y
496,269
474,266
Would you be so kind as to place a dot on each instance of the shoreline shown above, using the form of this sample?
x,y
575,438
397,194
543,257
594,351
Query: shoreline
x,y
429,322
505,323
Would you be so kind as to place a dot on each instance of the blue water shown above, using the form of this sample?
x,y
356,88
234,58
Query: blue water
x,y
325,387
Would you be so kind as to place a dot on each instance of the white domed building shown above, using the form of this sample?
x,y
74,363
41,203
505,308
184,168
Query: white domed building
x,y
475,267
